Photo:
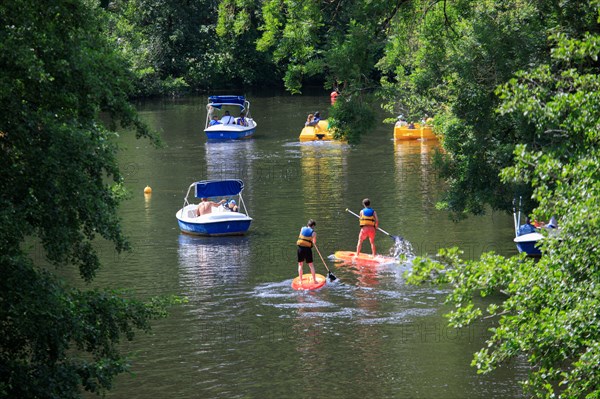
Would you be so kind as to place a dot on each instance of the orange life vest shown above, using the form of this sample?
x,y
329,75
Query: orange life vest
x,y
367,218
305,237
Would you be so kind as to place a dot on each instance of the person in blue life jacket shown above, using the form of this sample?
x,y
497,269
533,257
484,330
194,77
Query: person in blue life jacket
x,y
214,121
369,222
232,206
526,228
315,120
241,121
305,242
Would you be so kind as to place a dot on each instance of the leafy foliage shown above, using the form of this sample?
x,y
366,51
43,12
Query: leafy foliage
x,y
60,185
546,311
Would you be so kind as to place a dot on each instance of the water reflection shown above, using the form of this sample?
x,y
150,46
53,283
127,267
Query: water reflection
x,y
230,159
208,262
323,169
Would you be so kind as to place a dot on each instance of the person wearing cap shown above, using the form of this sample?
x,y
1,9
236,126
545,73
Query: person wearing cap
x,y
232,206
205,207
401,122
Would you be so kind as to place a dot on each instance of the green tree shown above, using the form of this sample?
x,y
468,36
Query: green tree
x,y
60,185
335,42
174,46
447,58
546,311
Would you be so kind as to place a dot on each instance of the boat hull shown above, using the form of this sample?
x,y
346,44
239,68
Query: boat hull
x,y
317,133
229,134
223,223
418,132
528,243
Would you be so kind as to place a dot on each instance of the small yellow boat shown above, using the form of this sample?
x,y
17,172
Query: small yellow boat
x,y
414,133
320,132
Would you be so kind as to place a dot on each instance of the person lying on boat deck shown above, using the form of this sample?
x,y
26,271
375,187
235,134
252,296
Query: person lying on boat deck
x,y
368,224
552,223
242,120
526,228
227,119
206,206
214,121
305,242
309,120
232,206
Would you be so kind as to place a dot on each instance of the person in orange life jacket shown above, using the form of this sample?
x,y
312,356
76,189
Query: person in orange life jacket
x,y
368,225
305,242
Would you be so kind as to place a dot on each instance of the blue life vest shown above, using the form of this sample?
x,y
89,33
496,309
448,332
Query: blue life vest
x,y
305,238
526,229
367,218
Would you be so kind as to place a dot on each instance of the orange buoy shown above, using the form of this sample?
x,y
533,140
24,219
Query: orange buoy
x,y
148,190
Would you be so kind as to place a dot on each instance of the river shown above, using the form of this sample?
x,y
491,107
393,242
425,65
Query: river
x,y
243,333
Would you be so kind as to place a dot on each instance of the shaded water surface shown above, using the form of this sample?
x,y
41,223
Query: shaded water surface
x,y
243,331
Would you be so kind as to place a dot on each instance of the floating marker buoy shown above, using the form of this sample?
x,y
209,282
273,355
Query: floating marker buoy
x,y
148,190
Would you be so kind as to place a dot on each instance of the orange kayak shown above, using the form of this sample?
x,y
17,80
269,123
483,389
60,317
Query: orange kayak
x,y
363,259
308,283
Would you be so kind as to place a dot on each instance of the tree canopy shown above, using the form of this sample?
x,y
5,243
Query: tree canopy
x,y
60,185
546,310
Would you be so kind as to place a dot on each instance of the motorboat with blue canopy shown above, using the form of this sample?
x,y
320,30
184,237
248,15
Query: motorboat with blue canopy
x,y
215,219
228,118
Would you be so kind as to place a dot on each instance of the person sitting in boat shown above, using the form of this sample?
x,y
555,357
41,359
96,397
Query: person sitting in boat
x,y
309,120
411,126
401,122
205,207
526,228
317,118
214,121
232,206
227,119
241,121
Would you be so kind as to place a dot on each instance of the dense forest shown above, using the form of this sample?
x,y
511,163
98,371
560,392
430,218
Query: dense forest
x,y
513,87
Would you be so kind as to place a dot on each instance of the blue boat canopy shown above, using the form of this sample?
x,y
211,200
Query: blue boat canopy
x,y
219,101
218,188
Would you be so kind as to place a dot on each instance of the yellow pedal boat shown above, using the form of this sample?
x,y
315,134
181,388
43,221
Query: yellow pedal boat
x,y
418,132
320,132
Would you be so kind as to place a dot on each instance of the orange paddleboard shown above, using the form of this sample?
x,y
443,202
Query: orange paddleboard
x,y
363,259
308,283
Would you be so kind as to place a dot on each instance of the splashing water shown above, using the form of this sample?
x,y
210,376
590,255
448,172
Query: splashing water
x,y
401,247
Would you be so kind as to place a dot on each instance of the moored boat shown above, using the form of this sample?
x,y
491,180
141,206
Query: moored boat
x,y
228,127
221,221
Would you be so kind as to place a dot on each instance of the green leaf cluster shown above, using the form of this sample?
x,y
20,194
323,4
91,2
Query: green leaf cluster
x,y
60,186
546,311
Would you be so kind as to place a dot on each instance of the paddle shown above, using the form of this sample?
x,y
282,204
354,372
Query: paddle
x,y
332,278
395,238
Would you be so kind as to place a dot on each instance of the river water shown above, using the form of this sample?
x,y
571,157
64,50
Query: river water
x,y
243,332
